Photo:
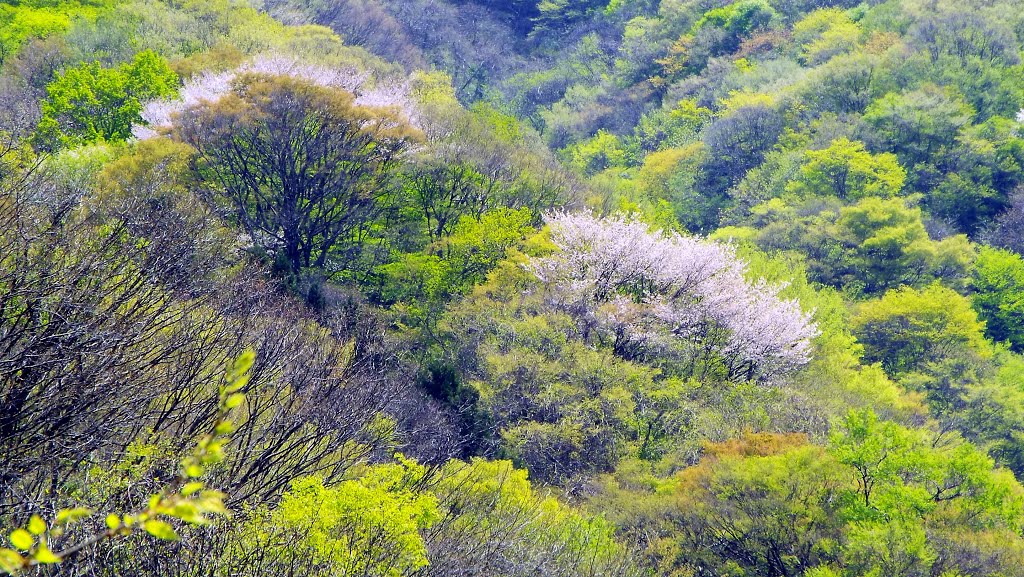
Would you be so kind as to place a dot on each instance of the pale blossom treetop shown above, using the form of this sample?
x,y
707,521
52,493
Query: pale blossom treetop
x,y
211,86
655,293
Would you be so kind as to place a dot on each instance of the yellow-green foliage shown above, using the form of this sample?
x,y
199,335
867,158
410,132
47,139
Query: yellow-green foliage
x,y
660,169
824,33
660,192
999,284
433,90
367,526
870,246
455,263
192,28
378,523
740,98
879,499
601,152
907,328
846,170
22,21
953,481
887,228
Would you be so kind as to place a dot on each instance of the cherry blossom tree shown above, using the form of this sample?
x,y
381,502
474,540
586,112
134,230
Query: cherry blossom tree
x,y
653,293
212,86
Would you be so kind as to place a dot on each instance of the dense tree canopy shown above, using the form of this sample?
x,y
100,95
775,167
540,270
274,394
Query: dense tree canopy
x,y
304,167
436,288
90,102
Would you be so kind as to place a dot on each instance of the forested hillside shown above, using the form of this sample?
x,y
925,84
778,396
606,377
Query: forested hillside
x,y
445,288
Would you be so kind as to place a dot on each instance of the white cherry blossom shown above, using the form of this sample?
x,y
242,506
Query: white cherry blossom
x,y
211,86
664,293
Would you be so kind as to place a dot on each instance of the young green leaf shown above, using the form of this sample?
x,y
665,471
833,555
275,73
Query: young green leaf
x,y
36,525
234,400
66,516
10,561
160,530
45,556
22,539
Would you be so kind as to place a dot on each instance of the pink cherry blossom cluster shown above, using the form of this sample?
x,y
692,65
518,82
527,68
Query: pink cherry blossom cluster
x,y
211,86
657,293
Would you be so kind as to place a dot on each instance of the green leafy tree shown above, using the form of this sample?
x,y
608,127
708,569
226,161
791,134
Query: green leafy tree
x,y
24,20
671,126
891,246
444,191
846,170
769,512
669,176
457,518
90,103
880,499
994,412
877,452
920,126
602,152
906,474
906,328
872,246
846,84
736,20
736,143
999,294
984,166
496,522
455,263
